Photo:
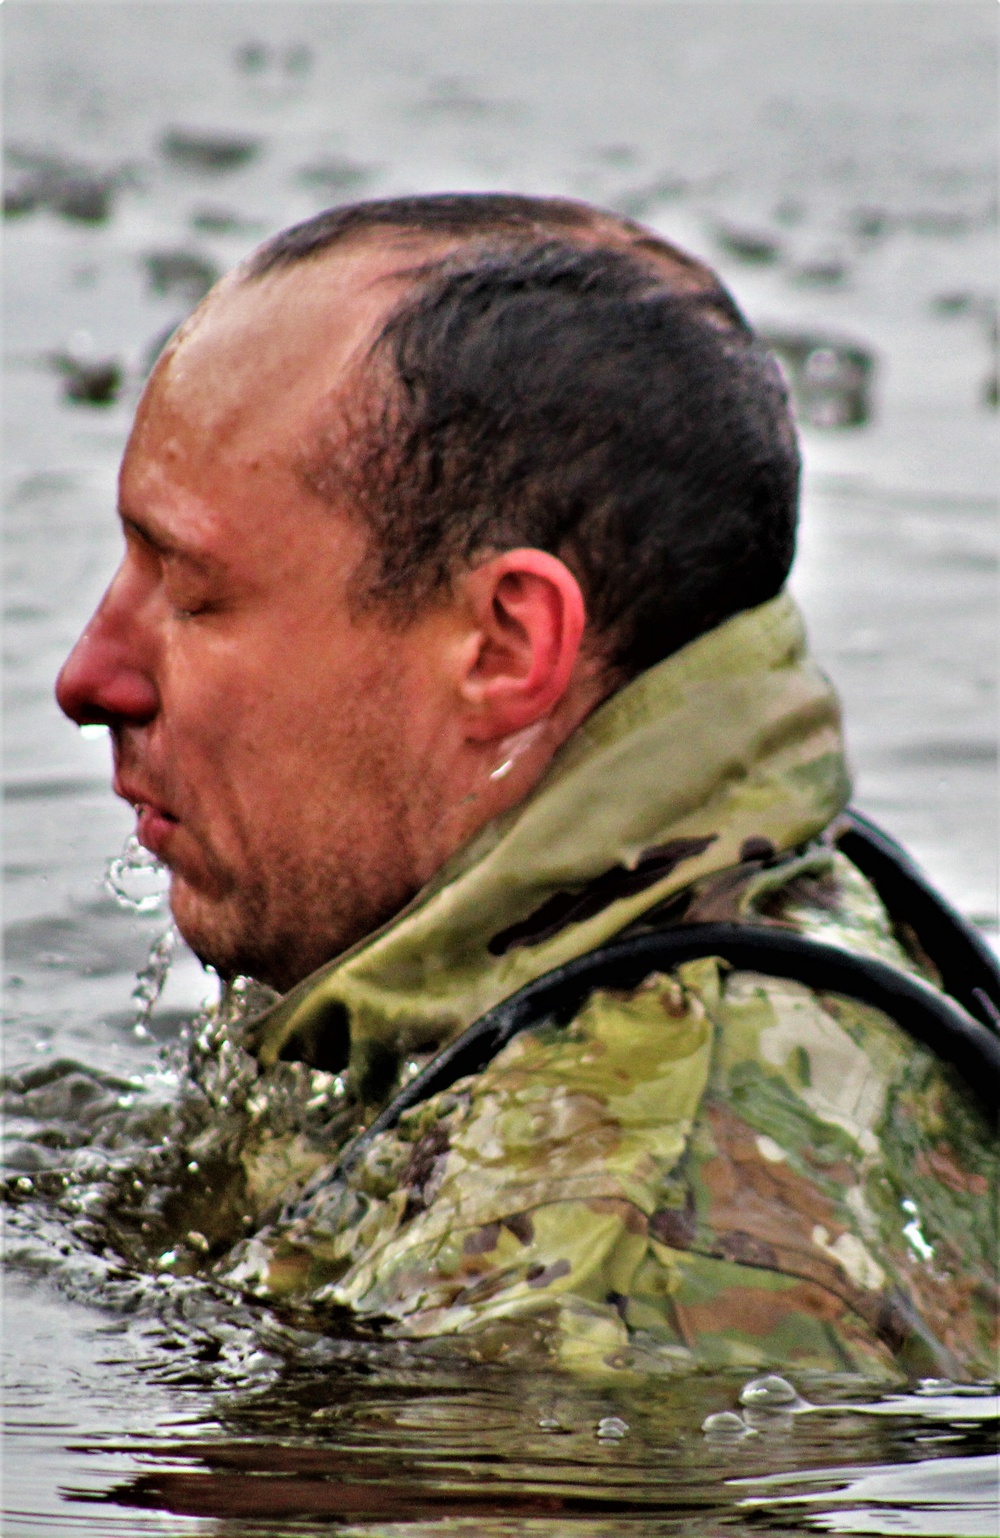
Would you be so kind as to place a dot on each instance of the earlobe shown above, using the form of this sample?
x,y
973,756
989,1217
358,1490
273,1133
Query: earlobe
x,y
530,616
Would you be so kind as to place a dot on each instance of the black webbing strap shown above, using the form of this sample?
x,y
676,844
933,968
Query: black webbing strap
x,y
969,970
961,1027
926,1014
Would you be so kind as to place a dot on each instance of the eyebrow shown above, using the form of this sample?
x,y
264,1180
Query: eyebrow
x,y
149,532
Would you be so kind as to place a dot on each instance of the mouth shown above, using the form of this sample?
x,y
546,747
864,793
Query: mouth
x,y
153,828
154,823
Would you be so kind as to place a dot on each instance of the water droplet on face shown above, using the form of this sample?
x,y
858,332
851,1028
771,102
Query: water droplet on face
x,y
770,1392
725,1423
136,879
612,1428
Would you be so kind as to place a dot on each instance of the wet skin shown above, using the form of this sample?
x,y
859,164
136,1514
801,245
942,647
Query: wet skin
x,y
303,763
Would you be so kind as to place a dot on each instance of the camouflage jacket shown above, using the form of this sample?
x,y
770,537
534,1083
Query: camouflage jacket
x,y
719,1167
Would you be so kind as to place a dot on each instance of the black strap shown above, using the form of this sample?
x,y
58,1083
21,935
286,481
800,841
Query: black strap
x,y
963,1033
927,1015
969,970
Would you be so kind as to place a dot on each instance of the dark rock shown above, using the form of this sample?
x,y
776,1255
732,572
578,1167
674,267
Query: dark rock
x,y
213,220
830,378
957,302
870,223
22,198
336,175
619,156
252,57
828,273
452,97
184,273
90,382
255,57
84,198
50,181
202,150
966,301
636,202
757,248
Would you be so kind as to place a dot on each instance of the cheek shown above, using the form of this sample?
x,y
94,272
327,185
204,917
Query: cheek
x,y
295,735
335,699
222,702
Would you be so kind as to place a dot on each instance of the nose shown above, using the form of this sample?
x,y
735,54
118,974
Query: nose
x,y
104,680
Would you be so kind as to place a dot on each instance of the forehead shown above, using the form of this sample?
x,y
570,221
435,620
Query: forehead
x,y
212,467
252,368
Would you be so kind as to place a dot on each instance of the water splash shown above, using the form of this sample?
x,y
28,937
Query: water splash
x,y
151,979
136,879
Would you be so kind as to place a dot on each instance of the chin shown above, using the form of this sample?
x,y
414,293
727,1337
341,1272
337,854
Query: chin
x,y
236,940
280,934
214,931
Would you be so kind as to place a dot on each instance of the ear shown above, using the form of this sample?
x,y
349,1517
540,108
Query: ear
x,y
529,617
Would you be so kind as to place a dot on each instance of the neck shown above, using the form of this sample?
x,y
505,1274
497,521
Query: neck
x,y
484,781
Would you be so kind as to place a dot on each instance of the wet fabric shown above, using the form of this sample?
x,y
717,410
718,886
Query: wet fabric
x,y
717,1167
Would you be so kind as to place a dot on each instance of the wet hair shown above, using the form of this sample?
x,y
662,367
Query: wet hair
x,y
562,379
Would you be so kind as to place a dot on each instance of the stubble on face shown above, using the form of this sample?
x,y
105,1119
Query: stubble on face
x,y
310,886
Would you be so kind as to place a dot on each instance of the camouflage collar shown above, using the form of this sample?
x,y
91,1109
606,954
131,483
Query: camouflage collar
x,y
730,746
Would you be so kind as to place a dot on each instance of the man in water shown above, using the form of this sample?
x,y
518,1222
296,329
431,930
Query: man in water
x,y
450,643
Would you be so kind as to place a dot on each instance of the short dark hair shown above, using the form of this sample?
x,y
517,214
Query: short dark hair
x,y
565,380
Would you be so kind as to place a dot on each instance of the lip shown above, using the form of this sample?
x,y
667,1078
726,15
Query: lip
x,y
154,829
154,823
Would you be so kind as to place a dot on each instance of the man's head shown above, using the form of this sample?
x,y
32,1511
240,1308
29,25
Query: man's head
x,y
408,495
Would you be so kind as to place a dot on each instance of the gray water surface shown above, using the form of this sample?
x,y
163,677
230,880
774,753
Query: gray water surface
x,y
854,146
